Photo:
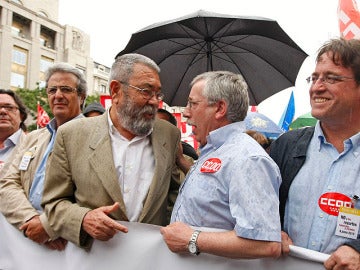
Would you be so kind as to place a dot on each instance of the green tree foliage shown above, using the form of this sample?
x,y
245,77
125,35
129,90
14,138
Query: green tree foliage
x,y
31,97
91,99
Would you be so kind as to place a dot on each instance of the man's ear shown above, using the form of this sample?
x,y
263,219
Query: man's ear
x,y
114,88
221,109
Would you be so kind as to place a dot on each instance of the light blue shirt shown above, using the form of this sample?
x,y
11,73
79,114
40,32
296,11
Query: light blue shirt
x,y
9,145
36,190
324,171
233,186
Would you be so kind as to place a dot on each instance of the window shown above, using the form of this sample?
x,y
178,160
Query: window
x,y
102,88
20,26
47,37
45,63
18,67
17,80
19,56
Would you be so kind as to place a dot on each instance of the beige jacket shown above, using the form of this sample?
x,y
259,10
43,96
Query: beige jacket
x,y
15,184
81,176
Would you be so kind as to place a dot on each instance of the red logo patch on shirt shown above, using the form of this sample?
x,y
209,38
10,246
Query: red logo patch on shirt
x,y
211,165
331,201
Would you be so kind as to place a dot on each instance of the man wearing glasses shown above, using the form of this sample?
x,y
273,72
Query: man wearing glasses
x,y
320,165
12,127
21,187
115,166
233,186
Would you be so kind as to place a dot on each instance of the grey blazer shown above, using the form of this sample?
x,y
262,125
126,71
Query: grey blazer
x,y
81,176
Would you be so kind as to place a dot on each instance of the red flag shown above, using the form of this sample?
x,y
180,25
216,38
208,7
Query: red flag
x,y
253,109
42,117
178,119
349,19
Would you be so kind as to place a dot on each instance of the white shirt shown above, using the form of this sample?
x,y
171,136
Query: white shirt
x,y
135,164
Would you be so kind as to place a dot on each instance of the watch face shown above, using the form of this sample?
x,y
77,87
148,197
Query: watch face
x,y
192,248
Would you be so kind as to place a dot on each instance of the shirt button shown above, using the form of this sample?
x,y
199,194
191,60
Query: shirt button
x,y
313,243
330,187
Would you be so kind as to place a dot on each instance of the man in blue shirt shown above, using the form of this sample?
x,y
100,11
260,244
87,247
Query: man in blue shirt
x,y
21,188
320,167
234,184
13,114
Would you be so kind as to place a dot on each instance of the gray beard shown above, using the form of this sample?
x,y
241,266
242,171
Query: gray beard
x,y
132,117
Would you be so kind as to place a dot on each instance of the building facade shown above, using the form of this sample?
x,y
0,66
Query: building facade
x,y
31,39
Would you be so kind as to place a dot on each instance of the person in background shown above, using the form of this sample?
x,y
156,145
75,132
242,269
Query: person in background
x,y
234,184
13,114
93,109
115,166
22,185
259,137
320,166
187,151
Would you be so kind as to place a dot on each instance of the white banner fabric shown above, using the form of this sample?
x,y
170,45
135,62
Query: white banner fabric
x,y
142,248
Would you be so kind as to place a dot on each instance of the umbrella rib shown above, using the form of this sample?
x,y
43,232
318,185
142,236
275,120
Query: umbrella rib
x,y
220,48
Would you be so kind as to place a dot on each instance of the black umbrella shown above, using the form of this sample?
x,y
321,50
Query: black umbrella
x,y
258,48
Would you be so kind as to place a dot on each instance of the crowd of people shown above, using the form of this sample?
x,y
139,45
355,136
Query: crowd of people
x,y
90,168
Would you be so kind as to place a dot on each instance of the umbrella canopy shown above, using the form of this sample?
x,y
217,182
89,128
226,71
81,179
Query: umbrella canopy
x,y
305,120
261,123
258,48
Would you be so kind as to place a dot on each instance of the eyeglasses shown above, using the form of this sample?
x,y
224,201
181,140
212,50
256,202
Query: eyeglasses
x,y
9,108
146,93
330,79
63,89
192,104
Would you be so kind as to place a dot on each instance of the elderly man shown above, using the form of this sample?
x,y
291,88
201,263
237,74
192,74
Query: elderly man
x,y
234,184
320,166
12,127
114,166
22,185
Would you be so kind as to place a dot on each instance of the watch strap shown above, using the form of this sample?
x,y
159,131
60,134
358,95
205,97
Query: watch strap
x,y
193,242
195,236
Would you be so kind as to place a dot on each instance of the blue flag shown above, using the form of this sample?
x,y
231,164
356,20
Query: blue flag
x,y
288,114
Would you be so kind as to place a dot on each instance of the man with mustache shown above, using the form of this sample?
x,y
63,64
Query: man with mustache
x,y
115,166
233,186
22,185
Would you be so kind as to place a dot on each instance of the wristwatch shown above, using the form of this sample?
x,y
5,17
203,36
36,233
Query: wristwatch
x,y
192,246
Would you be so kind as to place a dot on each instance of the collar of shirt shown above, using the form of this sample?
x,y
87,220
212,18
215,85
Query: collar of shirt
x,y
352,142
13,139
218,137
52,126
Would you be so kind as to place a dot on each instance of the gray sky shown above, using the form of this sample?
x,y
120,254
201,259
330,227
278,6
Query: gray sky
x,y
110,25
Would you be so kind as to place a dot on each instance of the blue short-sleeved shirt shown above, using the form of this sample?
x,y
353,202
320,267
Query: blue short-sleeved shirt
x,y
233,186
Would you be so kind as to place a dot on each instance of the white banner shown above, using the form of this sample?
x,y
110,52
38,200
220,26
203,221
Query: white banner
x,y
142,248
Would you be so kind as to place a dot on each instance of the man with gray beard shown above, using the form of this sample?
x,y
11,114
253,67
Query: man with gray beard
x,y
117,166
